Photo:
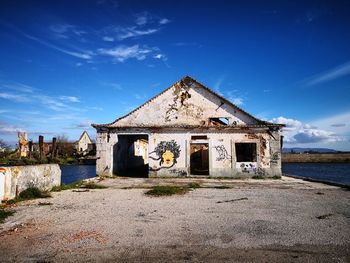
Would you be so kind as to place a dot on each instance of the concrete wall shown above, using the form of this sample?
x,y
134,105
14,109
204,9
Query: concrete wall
x,y
222,155
43,176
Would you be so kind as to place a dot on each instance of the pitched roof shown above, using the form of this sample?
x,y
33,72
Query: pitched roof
x,y
185,80
81,136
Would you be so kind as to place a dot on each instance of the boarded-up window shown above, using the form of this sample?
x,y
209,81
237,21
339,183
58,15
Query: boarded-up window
x,y
246,152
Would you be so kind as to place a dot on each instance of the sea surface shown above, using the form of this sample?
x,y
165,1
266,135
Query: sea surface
x,y
331,172
74,173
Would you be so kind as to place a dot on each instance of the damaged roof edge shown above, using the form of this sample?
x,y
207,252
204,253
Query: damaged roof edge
x,y
266,123
192,126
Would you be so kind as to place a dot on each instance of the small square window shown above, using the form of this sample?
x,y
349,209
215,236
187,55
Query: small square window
x,y
246,152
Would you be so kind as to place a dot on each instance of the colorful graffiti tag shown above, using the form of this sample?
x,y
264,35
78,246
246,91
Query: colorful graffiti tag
x,y
167,153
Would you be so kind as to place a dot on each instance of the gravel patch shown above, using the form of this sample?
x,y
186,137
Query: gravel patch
x,y
284,220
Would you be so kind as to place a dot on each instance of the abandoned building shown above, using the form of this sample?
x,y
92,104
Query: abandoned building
x,y
84,145
188,130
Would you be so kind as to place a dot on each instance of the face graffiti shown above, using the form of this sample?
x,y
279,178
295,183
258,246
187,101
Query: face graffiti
x,y
167,153
168,157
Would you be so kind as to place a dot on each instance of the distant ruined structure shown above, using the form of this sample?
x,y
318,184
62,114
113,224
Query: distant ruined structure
x,y
23,144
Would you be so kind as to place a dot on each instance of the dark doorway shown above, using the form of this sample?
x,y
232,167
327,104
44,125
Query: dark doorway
x,y
130,156
199,162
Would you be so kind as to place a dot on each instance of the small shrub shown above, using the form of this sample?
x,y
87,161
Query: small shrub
x,y
161,190
276,177
4,214
194,185
32,193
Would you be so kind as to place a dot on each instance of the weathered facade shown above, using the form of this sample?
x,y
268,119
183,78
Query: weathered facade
x,y
188,130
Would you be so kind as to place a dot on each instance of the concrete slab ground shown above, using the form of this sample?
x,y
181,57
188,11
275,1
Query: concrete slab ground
x,y
287,220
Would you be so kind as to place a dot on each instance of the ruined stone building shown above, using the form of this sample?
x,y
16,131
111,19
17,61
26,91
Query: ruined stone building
x,y
188,130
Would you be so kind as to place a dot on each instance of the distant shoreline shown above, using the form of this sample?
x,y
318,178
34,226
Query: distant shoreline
x,y
315,157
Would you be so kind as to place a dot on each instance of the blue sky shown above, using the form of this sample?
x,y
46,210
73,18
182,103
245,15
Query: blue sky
x,y
65,64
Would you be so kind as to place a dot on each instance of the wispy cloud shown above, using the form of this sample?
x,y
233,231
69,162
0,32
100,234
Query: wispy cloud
x,y
17,87
69,98
115,86
108,39
142,18
83,55
13,97
164,21
63,30
6,128
329,75
122,53
133,32
85,124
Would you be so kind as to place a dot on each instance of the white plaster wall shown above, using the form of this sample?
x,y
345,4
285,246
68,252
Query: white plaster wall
x,y
43,176
169,109
83,143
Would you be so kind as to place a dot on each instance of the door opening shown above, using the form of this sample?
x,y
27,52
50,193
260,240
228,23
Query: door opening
x,y
199,161
130,156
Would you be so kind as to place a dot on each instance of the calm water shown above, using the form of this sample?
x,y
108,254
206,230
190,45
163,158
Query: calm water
x,y
332,172
74,173
338,172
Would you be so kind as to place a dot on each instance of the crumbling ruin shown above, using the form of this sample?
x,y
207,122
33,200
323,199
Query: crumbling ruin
x,y
189,130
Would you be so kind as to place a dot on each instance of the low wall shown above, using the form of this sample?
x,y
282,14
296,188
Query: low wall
x,y
43,176
315,157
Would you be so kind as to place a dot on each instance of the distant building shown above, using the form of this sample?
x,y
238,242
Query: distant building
x,y
84,145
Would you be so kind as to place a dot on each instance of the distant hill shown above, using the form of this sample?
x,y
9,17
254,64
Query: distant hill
x,y
302,150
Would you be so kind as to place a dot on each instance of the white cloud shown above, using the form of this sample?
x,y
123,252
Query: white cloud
x,y
297,132
337,72
123,53
13,97
6,128
108,39
142,19
69,98
237,101
133,31
82,55
164,21
17,87
84,124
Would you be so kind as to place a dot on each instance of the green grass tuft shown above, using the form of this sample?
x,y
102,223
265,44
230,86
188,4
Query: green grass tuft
x,y
61,187
194,185
32,193
166,190
4,214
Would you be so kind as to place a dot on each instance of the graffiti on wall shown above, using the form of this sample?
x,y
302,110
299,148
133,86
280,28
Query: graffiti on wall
x,y
166,153
248,167
275,157
222,153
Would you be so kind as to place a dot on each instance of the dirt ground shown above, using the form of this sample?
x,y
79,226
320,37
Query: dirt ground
x,y
286,220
